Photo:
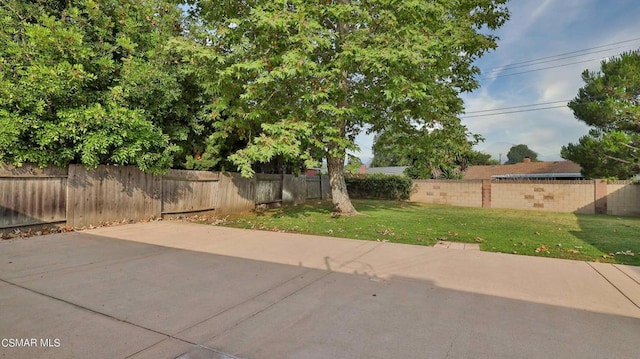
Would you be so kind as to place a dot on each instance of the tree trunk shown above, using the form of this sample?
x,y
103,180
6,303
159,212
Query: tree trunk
x,y
339,195
336,156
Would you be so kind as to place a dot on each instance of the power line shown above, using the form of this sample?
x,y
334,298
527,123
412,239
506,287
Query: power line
x,y
539,62
521,106
571,52
519,111
540,69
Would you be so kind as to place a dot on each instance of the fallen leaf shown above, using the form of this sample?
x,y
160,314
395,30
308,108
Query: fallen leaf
x,y
626,253
572,251
542,248
478,239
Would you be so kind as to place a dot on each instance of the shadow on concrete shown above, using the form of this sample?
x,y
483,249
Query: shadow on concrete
x,y
107,298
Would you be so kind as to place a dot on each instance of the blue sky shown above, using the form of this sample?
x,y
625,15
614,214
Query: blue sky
x,y
586,31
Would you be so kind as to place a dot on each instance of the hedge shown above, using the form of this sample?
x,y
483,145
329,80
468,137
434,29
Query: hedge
x,y
379,186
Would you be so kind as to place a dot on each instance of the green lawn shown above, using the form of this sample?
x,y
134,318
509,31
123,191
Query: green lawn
x,y
560,235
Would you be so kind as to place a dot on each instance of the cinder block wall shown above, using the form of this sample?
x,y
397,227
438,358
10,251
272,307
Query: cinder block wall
x,y
554,196
455,193
623,198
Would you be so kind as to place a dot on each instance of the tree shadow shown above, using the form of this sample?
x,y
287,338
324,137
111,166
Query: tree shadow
x,y
616,237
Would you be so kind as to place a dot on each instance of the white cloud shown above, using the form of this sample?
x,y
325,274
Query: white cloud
x,y
540,29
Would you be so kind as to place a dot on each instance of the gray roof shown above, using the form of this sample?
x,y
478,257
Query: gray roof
x,y
395,170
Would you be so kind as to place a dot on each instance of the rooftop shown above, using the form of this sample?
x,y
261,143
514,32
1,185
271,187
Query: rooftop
x,y
556,169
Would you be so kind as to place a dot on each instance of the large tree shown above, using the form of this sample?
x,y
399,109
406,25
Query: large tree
x,y
518,153
96,82
313,74
609,103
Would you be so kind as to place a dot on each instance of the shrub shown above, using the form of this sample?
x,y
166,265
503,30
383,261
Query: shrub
x,y
379,186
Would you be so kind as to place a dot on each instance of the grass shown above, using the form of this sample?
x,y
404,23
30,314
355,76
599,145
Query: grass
x,y
601,238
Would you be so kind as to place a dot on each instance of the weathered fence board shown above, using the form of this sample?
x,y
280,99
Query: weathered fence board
x,y
189,191
235,193
32,196
294,189
111,193
314,187
268,188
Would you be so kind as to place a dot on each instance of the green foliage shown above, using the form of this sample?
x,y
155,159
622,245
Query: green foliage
x,y
605,154
386,152
379,186
353,165
476,158
518,153
310,76
95,82
441,152
609,104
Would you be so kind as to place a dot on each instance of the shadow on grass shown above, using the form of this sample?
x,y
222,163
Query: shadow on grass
x,y
372,205
618,238
363,206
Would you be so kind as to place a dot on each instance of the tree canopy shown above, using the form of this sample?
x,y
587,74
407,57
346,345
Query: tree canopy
x,y
517,154
302,78
609,103
96,82
242,84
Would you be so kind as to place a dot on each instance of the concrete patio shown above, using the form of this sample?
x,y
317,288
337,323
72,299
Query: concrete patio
x,y
180,290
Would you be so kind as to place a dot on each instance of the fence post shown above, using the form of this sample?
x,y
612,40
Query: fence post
x,y
72,193
600,196
486,193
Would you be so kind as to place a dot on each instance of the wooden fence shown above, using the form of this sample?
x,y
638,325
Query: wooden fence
x,y
32,196
76,197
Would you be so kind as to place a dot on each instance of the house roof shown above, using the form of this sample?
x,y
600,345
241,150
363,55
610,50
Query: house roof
x,y
396,170
557,169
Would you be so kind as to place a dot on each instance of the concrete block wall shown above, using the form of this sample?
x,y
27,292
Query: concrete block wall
x,y
450,192
623,198
553,196
620,198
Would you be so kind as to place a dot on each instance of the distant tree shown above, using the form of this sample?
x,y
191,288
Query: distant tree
x,y
312,75
429,152
609,103
386,152
518,153
435,153
476,158
353,165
